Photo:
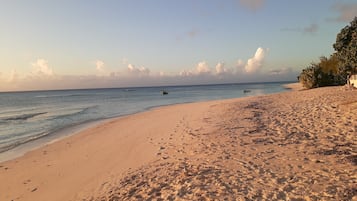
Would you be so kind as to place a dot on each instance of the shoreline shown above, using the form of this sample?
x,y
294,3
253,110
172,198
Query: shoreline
x,y
22,149
296,86
65,132
34,156
281,140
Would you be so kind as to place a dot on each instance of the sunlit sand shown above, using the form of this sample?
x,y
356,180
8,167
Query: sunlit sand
x,y
294,145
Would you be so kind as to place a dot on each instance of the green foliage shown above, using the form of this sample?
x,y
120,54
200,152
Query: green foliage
x,y
346,49
309,76
324,73
329,65
334,70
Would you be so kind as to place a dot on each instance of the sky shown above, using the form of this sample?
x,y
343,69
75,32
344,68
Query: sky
x,y
69,44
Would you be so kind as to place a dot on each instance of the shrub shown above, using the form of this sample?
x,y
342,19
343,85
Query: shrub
x,y
324,73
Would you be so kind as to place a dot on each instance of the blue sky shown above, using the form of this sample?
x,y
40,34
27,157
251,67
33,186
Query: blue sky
x,y
86,44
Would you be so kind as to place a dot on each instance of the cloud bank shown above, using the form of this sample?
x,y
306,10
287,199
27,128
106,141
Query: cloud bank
x,y
202,68
255,63
99,65
221,69
40,67
42,77
138,71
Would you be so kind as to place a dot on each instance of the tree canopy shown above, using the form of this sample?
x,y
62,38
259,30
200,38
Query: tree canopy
x,y
324,73
346,48
335,69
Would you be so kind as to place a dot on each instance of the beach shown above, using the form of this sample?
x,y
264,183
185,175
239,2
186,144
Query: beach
x,y
296,145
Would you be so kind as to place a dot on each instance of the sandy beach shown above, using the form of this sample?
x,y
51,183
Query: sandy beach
x,y
297,145
294,86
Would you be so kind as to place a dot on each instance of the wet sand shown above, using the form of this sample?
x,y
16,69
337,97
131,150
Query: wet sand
x,y
299,145
294,86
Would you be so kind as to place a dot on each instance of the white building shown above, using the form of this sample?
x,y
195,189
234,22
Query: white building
x,y
353,80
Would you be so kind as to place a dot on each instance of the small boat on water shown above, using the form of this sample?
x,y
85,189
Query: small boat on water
x,y
164,92
246,91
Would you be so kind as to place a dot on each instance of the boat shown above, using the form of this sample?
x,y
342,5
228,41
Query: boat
x,y
164,92
246,91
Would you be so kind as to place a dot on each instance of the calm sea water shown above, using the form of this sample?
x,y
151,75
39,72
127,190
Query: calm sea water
x,y
27,116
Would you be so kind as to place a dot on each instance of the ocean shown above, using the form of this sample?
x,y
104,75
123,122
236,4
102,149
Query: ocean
x,y
37,115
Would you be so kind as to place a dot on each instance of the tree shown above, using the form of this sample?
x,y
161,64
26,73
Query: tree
x,y
346,49
309,76
335,69
324,73
329,65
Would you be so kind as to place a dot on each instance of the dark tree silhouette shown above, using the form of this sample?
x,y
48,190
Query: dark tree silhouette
x,y
346,49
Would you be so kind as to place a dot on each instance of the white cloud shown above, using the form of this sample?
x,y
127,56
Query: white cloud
x,y
346,11
240,63
202,68
131,75
132,68
40,67
252,4
186,73
138,70
221,69
99,65
255,63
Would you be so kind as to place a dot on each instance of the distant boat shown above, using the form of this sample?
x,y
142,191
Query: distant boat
x,y
164,92
246,91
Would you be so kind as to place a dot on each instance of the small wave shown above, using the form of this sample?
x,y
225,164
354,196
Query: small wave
x,y
5,146
128,90
72,112
60,95
17,110
24,116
